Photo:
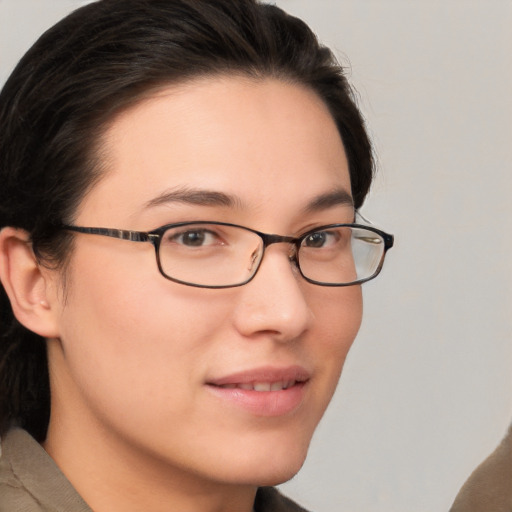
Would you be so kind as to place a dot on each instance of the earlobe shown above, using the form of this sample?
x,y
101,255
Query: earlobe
x,y
27,284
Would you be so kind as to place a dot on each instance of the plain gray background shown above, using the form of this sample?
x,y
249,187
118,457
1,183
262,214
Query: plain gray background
x,y
426,392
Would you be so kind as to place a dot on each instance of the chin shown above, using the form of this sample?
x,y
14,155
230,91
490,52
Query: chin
x,y
278,477
268,457
274,470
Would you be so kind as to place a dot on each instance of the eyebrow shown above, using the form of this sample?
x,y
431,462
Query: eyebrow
x,y
338,197
198,197
203,197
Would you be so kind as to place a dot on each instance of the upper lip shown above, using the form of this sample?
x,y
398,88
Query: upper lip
x,y
263,374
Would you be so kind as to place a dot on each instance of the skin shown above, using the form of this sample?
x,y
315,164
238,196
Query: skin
x,y
134,425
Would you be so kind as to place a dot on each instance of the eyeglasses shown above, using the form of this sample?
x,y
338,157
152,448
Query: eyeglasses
x,y
222,255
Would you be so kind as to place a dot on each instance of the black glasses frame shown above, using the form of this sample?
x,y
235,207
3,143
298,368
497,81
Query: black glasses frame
x,y
155,237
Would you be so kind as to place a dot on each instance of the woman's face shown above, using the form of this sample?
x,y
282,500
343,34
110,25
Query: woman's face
x,y
161,373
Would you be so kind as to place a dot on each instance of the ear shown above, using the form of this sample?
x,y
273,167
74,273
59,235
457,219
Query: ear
x,y
30,287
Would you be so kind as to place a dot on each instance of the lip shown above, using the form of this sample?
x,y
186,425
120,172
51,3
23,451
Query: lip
x,y
291,383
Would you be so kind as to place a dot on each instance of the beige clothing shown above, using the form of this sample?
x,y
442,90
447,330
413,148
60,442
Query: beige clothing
x,y
30,481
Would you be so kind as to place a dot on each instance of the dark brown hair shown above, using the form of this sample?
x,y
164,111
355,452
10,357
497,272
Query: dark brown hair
x,y
99,60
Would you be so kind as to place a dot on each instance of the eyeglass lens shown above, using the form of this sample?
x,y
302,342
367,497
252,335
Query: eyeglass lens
x,y
223,255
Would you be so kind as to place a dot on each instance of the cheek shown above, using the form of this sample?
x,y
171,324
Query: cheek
x,y
135,337
338,317
128,301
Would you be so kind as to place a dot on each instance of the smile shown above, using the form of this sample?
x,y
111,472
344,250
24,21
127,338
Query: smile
x,y
265,391
262,386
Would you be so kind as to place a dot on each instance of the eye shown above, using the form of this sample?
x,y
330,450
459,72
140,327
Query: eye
x,y
320,239
194,238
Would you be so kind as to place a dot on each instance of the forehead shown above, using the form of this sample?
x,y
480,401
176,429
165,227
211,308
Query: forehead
x,y
260,141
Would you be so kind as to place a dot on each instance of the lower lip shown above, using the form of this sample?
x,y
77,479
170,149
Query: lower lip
x,y
263,403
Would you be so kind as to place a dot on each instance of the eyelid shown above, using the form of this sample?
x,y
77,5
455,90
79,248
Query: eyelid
x,y
217,232
320,227
198,228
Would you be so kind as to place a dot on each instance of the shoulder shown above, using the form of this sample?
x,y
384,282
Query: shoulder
x,y
13,494
269,499
489,486
31,481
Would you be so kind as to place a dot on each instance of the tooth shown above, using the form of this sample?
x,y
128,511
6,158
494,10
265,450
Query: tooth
x,y
247,386
262,386
277,386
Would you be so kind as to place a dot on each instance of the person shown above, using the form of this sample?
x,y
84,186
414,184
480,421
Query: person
x,y
488,487
181,256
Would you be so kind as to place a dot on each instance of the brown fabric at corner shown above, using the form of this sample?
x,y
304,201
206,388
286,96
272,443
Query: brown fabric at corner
x,y
489,488
30,481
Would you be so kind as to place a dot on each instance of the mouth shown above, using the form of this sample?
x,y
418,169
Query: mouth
x,y
262,386
264,391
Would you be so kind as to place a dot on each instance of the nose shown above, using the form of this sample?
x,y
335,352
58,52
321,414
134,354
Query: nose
x,y
275,301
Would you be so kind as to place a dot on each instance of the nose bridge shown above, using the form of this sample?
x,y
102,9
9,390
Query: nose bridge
x,y
277,239
280,239
275,300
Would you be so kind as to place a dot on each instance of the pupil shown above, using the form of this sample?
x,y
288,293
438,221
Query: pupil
x,y
315,240
193,238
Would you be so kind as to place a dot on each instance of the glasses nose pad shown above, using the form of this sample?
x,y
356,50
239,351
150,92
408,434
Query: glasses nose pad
x,y
255,259
293,256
